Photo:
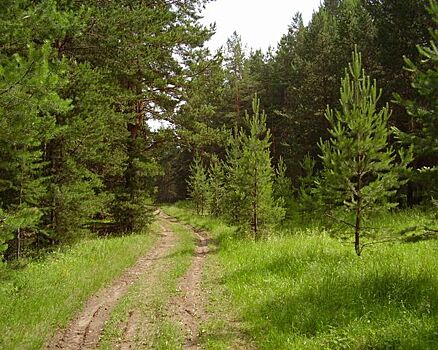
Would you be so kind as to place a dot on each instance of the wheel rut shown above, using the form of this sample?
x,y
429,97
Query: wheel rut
x,y
129,331
187,308
85,330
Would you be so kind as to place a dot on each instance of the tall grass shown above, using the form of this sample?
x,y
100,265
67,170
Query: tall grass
x,y
43,296
310,291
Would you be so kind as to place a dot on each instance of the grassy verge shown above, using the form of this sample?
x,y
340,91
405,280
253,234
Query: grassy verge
x,y
43,296
149,298
222,330
309,291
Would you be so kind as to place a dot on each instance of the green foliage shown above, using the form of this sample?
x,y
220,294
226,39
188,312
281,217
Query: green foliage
x,y
199,185
29,98
282,187
235,60
424,137
303,76
249,182
77,82
132,205
308,195
399,27
298,79
360,170
13,222
216,186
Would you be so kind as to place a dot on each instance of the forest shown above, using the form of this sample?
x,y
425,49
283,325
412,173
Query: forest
x,y
311,170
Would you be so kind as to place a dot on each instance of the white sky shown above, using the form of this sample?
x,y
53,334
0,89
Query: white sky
x,y
260,23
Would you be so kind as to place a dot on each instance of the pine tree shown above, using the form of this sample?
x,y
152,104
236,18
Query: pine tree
x,y
198,185
282,188
146,52
235,63
87,151
28,101
78,81
250,201
423,110
360,169
216,182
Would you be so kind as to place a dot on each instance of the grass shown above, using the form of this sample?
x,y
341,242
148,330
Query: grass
x,y
44,295
149,297
222,329
310,291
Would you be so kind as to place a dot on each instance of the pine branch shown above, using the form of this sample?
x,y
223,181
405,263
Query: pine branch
x,y
19,80
339,220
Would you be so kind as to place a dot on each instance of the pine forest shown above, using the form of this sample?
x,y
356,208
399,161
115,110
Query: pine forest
x,y
158,194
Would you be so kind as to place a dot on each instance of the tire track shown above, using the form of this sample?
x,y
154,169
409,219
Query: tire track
x,y
129,331
188,308
85,330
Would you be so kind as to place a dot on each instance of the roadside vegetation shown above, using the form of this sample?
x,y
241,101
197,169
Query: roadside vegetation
x,y
307,290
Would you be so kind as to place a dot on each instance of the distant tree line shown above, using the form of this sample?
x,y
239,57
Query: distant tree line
x,y
301,76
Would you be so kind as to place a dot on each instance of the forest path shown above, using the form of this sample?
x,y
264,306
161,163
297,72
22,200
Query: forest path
x,y
85,330
203,309
162,302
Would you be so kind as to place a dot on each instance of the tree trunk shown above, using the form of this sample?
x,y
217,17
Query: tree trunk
x,y
255,206
357,227
357,231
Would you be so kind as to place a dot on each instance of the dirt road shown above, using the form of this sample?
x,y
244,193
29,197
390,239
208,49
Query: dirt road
x,y
180,303
85,330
